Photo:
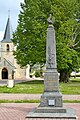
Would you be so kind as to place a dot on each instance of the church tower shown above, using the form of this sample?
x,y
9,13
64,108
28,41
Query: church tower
x,y
9,69
7,58
7,46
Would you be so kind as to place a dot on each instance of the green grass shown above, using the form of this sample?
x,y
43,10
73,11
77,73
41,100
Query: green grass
x,y
30,87
71,101
19,101
72,87
35,101
37,87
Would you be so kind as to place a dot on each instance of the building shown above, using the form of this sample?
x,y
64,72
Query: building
x,y
9,69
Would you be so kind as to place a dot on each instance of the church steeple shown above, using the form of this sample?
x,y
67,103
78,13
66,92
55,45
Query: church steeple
x,y
8,32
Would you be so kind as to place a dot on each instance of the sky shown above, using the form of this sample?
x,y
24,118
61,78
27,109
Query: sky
x,y
5,6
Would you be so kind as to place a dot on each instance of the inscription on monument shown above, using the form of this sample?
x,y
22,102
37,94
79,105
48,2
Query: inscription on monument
x,y
51,59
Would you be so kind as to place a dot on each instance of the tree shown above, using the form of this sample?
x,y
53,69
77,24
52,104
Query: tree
x,y
68,34
69,60
30,36
31,32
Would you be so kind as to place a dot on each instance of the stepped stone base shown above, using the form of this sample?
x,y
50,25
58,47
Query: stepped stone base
x,y
51,107
50,112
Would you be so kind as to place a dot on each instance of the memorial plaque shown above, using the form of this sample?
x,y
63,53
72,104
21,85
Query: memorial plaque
x,y
51,102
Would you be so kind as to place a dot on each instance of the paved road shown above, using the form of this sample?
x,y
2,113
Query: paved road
x,y
19,111
4,96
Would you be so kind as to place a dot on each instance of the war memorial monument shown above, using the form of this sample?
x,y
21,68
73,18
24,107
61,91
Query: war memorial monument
x,y
51,105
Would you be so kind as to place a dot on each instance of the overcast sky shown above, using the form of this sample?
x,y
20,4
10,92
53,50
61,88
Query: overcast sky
x,y
5,6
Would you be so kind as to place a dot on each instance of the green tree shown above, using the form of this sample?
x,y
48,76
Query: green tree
x,y
30,36
67,55
68,35
31,32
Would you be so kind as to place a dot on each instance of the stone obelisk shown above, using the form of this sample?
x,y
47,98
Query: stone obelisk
x,y
51,96
51,100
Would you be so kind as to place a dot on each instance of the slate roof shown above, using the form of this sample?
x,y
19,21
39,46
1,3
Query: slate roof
x,y
10,63
8,32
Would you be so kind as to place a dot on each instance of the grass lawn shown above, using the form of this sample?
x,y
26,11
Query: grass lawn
x,y
35,101
72,87
37,87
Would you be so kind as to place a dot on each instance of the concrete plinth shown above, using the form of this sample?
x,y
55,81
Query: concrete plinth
x,y
51,95
55,113
53,99
10,83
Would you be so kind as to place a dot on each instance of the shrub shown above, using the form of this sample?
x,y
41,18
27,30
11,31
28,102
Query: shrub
x,y
37,73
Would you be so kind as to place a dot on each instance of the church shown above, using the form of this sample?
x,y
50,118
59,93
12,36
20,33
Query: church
x,y
9,69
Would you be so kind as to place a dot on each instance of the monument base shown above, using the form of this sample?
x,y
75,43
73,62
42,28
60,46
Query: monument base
x,y
51,107
55,113
51,99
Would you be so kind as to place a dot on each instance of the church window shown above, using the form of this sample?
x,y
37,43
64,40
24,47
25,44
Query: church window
x,y
8,47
